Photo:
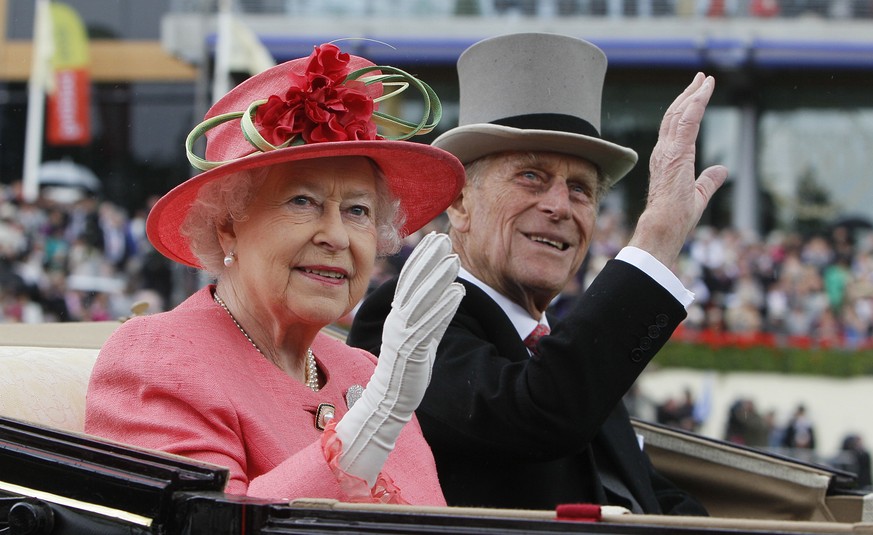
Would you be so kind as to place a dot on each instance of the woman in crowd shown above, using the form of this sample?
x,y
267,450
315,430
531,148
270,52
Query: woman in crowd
x,y
299,193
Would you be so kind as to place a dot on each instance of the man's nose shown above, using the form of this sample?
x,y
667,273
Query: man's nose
x,y
556,200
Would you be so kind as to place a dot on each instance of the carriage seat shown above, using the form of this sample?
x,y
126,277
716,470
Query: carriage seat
x,y
44,371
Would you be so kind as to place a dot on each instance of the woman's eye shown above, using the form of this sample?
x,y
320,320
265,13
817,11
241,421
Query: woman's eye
x,y
359,211
300,200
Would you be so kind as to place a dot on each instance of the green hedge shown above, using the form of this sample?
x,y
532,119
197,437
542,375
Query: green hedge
x,y
828,362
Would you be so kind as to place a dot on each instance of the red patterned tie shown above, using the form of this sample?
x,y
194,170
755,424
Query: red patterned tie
x,y
531,341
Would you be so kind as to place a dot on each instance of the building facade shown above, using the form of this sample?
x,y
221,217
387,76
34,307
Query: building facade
x,y
792,116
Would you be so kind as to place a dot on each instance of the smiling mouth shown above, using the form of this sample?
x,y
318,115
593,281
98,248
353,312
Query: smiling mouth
x,y
324,273
561,246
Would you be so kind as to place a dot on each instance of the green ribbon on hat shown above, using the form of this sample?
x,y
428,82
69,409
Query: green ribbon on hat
x,y
391,76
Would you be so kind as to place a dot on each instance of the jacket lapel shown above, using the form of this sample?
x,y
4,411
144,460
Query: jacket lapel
x,y
618,441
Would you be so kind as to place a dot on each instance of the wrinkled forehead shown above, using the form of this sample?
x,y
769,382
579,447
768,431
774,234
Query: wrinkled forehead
x,y
551,162
550,159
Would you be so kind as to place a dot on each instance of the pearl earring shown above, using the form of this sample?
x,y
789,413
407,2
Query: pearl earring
x,y
229,259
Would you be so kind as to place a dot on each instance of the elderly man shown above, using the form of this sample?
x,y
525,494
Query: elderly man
x,y
524,424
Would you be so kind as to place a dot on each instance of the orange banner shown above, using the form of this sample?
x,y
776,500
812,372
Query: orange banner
x,y
68,109
68,112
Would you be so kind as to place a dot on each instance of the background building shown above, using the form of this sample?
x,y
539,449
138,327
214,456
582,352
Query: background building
x,y
792,117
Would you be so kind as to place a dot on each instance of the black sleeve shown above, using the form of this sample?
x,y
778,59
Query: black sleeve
x,y
489,399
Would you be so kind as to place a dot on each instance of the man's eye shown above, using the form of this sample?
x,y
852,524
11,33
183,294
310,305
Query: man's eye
x,y
530,175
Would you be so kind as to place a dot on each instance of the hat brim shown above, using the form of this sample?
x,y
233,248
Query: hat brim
x,y
425,179
473,141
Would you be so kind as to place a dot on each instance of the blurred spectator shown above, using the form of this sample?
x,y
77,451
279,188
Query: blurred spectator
x,y
855,458
678,413
799,432
836,278
774,432
747,426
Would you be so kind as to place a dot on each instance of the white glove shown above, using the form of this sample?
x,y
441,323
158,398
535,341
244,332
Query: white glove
x,y
425,301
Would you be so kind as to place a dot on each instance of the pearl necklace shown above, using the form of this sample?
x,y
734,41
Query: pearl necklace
x,y
311,367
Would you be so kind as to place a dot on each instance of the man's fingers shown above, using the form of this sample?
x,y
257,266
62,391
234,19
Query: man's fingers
x,y
674,111
710,180
678,142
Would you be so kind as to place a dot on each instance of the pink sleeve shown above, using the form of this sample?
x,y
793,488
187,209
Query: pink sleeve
x,y
315,472
304,474
154,402
157,408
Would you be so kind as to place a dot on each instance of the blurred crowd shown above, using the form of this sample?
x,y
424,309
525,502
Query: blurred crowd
x,y
781,289
90,260
78,260
650,8
568,8
814,290
792,434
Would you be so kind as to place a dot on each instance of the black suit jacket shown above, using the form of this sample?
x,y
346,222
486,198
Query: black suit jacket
x,y
510,430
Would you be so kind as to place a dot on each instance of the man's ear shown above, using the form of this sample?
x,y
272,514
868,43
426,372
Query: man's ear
x,y
459,213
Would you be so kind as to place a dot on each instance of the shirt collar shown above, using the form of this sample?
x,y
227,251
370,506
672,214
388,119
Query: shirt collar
x,y
517,315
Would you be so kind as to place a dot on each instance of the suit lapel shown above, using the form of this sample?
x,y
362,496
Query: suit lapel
x,y
618,441
497,329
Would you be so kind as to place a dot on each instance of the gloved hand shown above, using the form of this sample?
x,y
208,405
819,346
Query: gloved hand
x,y
425,301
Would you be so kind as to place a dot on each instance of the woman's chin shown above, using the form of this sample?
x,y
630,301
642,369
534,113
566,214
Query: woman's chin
x,y
324,315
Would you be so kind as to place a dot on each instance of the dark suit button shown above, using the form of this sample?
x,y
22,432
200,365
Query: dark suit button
x,y
645,343
637,354
654,331
661,320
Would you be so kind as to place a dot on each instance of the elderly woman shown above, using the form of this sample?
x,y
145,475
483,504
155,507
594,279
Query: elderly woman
x,y
299,194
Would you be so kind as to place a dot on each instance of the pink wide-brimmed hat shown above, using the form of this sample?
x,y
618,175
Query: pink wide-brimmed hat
x,y
322,106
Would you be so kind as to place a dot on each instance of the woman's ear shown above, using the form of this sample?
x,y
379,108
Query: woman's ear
x,y
459,213
226,235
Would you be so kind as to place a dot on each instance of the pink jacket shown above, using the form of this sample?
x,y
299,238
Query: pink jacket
x,y
189,383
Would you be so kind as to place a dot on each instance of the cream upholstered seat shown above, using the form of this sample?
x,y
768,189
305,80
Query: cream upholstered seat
x,y
45,386
44,371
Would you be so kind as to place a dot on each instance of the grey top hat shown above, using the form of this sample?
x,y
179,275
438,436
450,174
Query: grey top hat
x,y
534,92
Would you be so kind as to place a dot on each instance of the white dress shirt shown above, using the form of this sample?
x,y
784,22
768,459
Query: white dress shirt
x,y
524,324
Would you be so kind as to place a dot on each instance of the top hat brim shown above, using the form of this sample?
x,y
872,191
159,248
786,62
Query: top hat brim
x,y
473,141
423,178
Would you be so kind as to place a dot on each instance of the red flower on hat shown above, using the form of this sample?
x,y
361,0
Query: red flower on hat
x,y
320,105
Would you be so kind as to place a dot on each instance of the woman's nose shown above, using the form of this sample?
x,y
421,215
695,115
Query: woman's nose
x,y
332,232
